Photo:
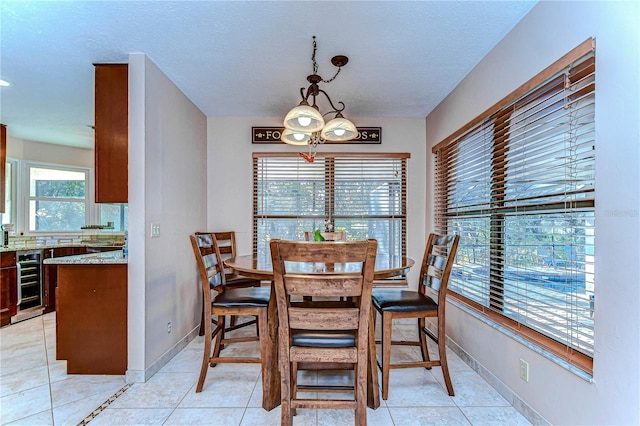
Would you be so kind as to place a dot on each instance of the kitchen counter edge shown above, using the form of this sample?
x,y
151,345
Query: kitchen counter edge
x,y
115,257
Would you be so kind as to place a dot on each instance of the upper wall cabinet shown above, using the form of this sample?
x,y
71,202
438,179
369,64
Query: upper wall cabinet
x,y
111,133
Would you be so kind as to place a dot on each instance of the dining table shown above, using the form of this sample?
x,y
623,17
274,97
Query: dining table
x,y
386,273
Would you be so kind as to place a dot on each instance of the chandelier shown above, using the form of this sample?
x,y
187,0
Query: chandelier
x,y
305,125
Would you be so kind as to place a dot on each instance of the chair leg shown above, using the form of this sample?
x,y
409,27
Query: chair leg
x,y
386,352
423,341
442,352
285,379
206,356
294,385
360,389
218,344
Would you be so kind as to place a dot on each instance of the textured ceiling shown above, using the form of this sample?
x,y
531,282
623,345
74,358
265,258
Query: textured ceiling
x,y
241,58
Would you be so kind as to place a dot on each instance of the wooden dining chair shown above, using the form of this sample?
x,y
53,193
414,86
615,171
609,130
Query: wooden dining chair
x,y
226,242
428,302
325,333
220,301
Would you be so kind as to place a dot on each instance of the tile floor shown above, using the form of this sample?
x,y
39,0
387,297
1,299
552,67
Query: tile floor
x,y
35,390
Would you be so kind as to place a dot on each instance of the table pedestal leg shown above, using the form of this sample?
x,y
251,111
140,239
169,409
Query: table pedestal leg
x,y
271,370
373,390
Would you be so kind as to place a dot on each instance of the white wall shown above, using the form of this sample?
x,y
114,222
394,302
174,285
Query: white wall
x,y
23,149
167,184
549,31
229,173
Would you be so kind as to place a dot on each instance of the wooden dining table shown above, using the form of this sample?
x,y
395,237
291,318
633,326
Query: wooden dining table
x,y
259,266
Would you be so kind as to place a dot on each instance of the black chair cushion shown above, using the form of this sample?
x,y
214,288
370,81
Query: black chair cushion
x,y
239,297
323,339
240,281
402,301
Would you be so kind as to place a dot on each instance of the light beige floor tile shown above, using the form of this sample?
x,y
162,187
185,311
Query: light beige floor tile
x,y
163,390
416,387
25,379
428,416
76,411
471,390
223,390
20,345
494,416
79,386
23,404
131,416
57,371
27,361
379,417
260,417
206,416
42,418
188,360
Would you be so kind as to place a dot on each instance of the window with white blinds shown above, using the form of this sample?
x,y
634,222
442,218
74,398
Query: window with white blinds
x,y
362,194
517,184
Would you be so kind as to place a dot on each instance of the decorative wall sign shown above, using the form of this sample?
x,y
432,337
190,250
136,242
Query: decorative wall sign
x,y
267,135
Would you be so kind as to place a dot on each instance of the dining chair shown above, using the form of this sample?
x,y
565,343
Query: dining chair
x,y
325,333
429,301
221,302
328,236
226,242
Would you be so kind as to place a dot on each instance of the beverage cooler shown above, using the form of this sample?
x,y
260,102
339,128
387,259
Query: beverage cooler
x,y
30,293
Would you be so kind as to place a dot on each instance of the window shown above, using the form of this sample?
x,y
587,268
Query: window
x,y
364,195
517,184
57,198
116,213
8,217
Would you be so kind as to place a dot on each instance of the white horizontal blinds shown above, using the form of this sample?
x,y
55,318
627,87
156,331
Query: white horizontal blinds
x,y
289,198
364,195
370,200
518,187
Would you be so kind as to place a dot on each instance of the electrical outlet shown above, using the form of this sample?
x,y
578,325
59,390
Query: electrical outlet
x,y
168,327
155,229
524,370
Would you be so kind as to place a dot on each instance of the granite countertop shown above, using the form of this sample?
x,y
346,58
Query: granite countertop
x,y
107,257
34,246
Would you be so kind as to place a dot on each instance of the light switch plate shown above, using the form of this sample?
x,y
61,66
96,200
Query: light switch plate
x,y
155,229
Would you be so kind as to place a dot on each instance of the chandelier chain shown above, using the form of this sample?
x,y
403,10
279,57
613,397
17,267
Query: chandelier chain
x,y
315,63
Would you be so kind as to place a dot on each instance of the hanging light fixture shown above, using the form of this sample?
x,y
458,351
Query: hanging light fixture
x,y
305,125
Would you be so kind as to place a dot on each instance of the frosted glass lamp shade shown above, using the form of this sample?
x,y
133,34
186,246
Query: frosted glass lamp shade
x,y
304,118
339,129
293,137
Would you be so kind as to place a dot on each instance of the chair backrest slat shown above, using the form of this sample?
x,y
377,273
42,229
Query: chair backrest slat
x,y
226,242
321,319
332,285
208,260
437,262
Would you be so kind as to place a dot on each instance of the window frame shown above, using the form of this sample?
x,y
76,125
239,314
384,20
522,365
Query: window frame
x,y
12,194
499,210
26,182
329,174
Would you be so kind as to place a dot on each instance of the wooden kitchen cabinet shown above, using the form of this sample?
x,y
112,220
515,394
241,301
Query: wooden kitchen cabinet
x,y
111,133
8,287
91,319
51,274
